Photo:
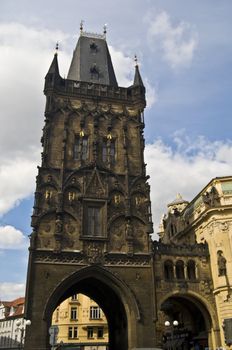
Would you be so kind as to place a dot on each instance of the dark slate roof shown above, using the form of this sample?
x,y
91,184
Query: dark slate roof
x,y
91,61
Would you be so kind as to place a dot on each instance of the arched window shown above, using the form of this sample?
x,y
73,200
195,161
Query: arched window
x,y
180,270
191,270
168,270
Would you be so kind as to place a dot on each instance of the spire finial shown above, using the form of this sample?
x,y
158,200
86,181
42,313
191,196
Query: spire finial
x,y
105,29
81,26
136,60
57,48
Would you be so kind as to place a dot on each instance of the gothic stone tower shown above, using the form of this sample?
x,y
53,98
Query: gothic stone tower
x,y
92,219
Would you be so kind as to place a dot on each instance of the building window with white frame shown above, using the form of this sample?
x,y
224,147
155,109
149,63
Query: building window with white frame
x,y
73,313
95,312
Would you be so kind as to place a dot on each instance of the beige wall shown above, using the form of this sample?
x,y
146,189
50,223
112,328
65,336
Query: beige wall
x,y
88,315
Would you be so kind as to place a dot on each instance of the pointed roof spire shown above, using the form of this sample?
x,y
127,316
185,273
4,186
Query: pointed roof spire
x,y
53,75
54,67
137,78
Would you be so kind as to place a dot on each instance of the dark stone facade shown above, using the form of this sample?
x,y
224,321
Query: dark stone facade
x,y
92,216
92,219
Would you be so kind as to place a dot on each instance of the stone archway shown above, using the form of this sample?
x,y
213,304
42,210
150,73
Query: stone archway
x,y
111,294
196,323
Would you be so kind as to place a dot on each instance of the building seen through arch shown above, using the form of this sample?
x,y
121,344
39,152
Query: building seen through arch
x,y
81,323
92,223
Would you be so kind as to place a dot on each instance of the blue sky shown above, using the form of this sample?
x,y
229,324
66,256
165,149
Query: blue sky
x,y
185,56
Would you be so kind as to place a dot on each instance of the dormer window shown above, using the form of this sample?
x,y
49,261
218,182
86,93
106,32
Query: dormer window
x,y
94,71
93,47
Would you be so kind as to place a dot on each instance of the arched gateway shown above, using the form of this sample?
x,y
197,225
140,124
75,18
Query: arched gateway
x,y
92,217
113,296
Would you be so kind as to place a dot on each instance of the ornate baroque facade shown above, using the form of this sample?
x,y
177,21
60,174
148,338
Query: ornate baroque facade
x,y
194,260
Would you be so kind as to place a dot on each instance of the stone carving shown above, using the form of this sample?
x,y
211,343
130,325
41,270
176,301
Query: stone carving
x,y
47,228
211,198
205,286
58,234
94,253
129,230
224,226
221,261
58,225
210,228
95,186
33,240
117,235
118,241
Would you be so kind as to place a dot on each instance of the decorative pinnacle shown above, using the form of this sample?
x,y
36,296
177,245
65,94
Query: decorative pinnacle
x,y
105,29
81,26
57,47
136,61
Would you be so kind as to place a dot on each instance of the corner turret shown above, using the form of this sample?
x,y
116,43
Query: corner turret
x,y
53,74
137,78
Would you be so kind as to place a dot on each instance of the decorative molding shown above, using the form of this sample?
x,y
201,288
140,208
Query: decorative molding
x,y
79,258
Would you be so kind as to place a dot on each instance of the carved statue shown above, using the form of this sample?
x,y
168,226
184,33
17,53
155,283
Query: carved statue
x,y
58,225
129,229
211,198
221,260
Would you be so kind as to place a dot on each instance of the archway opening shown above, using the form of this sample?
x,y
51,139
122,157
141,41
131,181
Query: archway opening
x,y
105,299
185,323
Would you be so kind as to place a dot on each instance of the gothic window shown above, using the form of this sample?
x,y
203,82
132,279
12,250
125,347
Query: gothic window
x,y
180,270
94,214
94,72
95,312
112,152
94,226
168,270
80,149
104,151
191,270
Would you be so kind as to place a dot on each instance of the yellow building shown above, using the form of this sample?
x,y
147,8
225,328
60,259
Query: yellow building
x,y
193,260
82,324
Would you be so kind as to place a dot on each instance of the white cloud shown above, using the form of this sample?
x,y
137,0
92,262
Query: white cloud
x,y
123,66
177,42
10,291
151,93
25,56
185,170
17,180
124,70
11,238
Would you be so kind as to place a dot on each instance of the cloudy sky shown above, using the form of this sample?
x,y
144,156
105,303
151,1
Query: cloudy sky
x,y
185,56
